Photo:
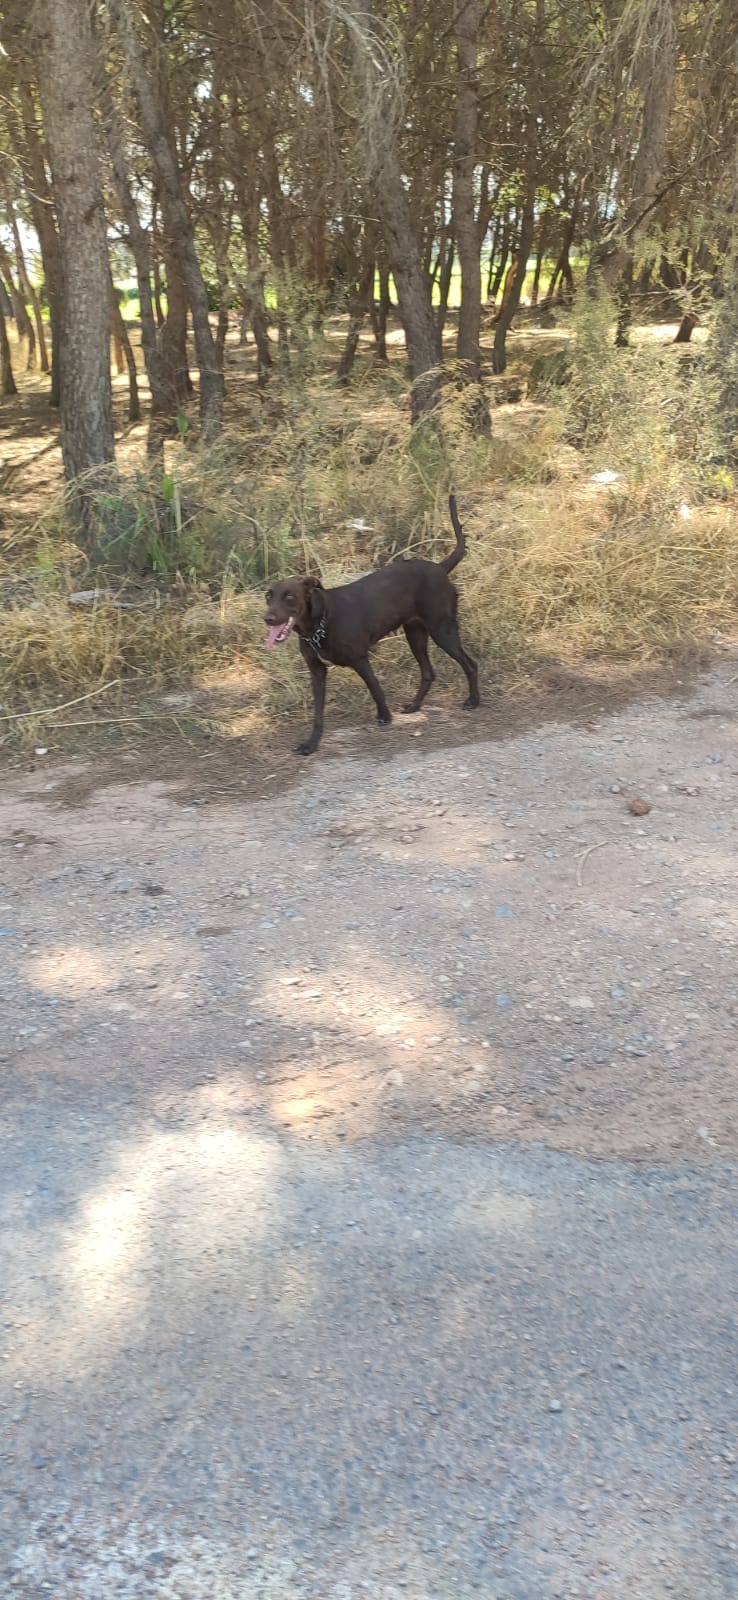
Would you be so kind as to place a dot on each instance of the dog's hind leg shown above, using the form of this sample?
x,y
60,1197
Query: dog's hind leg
x,y
416,634
445,633
384,715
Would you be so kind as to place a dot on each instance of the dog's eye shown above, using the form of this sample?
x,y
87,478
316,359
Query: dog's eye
x,y
289,600
269,596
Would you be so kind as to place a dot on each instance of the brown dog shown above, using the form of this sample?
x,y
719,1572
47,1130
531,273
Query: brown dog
x,y
338,627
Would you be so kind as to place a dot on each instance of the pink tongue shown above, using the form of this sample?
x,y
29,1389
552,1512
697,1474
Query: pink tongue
x,y
273,635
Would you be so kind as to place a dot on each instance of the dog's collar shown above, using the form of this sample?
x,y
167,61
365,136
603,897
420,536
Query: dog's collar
x,y
315,640
317,636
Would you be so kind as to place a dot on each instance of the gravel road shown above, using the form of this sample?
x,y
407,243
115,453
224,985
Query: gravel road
x,y
369,1169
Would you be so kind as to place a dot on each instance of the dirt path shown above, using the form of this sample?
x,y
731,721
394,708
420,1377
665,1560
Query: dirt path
x,y
368,1161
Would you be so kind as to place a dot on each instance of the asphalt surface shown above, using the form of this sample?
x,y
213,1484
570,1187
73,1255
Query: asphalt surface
x,y
255,1343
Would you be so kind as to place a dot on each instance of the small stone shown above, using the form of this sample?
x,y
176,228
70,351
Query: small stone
x,y
554,1405
639,807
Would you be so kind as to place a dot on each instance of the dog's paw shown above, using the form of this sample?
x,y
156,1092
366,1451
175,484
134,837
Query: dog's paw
x,y
307,748
384,718
471,704
410,710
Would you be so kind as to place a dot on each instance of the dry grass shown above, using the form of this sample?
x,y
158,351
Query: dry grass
x,y
321,479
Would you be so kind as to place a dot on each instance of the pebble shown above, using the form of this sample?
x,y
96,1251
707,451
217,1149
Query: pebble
x,y
554,1405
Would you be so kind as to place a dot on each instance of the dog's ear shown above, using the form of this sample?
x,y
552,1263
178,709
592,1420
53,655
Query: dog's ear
x,y
311,583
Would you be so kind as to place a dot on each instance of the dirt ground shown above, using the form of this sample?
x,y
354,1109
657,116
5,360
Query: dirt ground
x,y
409,927
369,1132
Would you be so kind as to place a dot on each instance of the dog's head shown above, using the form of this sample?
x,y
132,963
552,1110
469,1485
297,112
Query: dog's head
x,y
291,604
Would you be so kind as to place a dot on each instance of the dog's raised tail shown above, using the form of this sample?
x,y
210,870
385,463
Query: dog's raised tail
x,y
458,554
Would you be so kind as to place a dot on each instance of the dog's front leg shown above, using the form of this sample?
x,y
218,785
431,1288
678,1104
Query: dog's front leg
x,y
318,675
384,715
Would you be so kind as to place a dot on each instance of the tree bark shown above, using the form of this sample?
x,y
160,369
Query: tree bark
x,y
613,259
122,339
64,38
7,381
359,303
29,290
403,258
30,150
156,272
173,332
444,286
513,293
540,253
248,204
401,244
163,393
492,253
380,310
562,268
119,358
178,225
496,281
465,226
23,324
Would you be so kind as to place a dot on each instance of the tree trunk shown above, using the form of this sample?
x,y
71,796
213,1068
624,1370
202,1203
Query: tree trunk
x,y
178,225
403,257
279,232
502,263
492,253
658,70
32,157
221,333
156,273
122,340
465,228
380,311
248,199
444,287
358,307
163,393
624,300
119,357
513,293
173,333
64,39
23,324
562,268
7,381
30,292
402,248
542,245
